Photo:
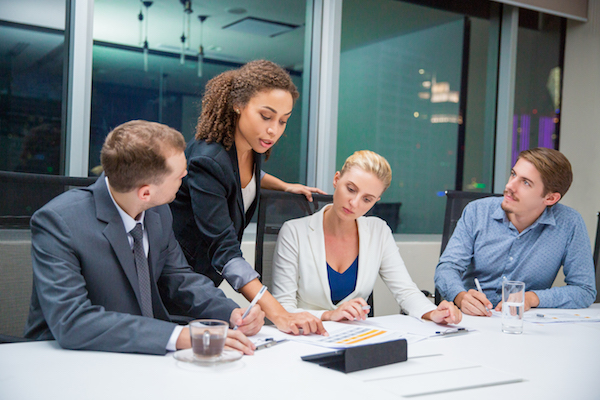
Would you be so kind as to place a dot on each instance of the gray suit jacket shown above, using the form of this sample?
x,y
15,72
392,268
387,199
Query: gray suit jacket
x,y
86,294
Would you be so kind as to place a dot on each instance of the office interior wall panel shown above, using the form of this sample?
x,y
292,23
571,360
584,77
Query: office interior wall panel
x,y
580,135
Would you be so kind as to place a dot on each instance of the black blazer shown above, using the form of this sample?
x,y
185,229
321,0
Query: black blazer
x,y
208,212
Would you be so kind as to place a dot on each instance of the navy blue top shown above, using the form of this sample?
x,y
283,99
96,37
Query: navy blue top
x,y
342,285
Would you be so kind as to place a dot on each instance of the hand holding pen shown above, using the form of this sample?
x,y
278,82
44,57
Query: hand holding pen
x,y
351,310
474,302
251,306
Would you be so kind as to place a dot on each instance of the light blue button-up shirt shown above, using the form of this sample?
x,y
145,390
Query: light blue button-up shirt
x,y
487,246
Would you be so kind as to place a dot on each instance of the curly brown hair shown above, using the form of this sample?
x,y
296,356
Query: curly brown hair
x,y
235,88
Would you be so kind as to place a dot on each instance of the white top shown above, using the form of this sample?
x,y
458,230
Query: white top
x,y
249,193
300,281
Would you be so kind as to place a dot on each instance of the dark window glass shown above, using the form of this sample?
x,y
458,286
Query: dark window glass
x,y
171,92
31,90
402,77
538,86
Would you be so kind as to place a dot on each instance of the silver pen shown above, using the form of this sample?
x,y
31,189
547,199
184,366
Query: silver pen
x,y
254,301
480,291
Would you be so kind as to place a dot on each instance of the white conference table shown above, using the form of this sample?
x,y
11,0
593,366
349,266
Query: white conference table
x,y
553,361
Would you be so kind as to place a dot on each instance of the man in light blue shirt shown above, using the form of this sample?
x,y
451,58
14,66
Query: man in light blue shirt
x,y
524,236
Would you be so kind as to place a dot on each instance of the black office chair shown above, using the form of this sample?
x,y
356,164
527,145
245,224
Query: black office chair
x,y
596,254
274,209
22,195
456,201
389,212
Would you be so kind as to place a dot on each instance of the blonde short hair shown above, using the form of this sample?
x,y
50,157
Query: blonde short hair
x,y
372,162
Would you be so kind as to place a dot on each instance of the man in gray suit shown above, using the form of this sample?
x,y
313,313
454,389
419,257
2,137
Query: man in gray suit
x,y
108,272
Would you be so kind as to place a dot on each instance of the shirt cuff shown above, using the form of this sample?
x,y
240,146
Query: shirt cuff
x,y
238,272
172,343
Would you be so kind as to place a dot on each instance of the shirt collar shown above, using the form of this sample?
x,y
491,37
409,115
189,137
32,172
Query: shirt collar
x,y
547,217
128,222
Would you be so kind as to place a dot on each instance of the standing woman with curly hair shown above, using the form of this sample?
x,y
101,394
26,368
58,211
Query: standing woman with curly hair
x,y
244,113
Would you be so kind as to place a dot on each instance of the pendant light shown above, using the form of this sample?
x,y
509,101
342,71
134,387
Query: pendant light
x,y
202,18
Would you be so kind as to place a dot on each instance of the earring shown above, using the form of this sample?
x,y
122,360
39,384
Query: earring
x,y
237,111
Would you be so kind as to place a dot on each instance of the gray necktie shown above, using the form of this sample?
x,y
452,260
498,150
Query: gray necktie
x,y
143,272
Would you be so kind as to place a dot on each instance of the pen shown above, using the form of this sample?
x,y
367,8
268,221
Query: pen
x,y
480,291
254,301
452,332
366,308
270,343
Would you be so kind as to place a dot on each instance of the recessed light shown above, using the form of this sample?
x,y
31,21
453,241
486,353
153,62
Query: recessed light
x,y
237,10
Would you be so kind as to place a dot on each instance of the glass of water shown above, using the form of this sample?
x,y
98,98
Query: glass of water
x,y
513,306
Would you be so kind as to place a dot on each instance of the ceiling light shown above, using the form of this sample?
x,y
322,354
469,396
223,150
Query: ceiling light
x,y
260,27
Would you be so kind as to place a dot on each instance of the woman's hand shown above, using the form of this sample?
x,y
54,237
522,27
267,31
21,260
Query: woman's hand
x,y
305,190
445,313
355,309
302,323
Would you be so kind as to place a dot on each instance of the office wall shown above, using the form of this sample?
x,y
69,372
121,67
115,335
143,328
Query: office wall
x,y
580,130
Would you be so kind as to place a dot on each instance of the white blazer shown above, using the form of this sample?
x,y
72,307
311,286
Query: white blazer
x,y
300,281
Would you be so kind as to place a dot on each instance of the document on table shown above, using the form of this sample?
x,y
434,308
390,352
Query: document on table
x,y
415,328
559,316
344,335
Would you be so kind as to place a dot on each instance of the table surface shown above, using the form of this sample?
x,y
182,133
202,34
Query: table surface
x,y
551,360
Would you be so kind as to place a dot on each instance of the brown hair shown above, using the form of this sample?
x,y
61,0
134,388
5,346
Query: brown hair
x,y
553,167
235,89
135,154
371,162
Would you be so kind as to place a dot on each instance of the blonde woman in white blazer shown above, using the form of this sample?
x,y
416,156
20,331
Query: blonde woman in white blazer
x,y
338,252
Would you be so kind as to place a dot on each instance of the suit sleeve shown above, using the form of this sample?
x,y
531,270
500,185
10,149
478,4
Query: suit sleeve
x,y
286,267
186,292
71,317
209,187
456,257
395,275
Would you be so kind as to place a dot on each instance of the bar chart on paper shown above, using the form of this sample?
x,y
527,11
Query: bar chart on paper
x,y
348,336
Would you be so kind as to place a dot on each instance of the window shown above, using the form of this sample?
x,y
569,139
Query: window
x,y
402,77
31,86
169,91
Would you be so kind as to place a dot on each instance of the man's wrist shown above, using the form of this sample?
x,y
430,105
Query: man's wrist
x,y
458,299
532,299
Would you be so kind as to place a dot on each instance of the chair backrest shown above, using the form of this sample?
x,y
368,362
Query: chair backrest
x,y
456,201
25,193
596,254
22,195
389,212
274,209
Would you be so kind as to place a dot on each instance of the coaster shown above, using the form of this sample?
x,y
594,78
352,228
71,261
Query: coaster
x,y
187,355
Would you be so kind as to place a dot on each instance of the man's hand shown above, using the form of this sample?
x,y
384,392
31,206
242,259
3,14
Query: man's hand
x,y
445,313
473,303
531,301
236,340
252,323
